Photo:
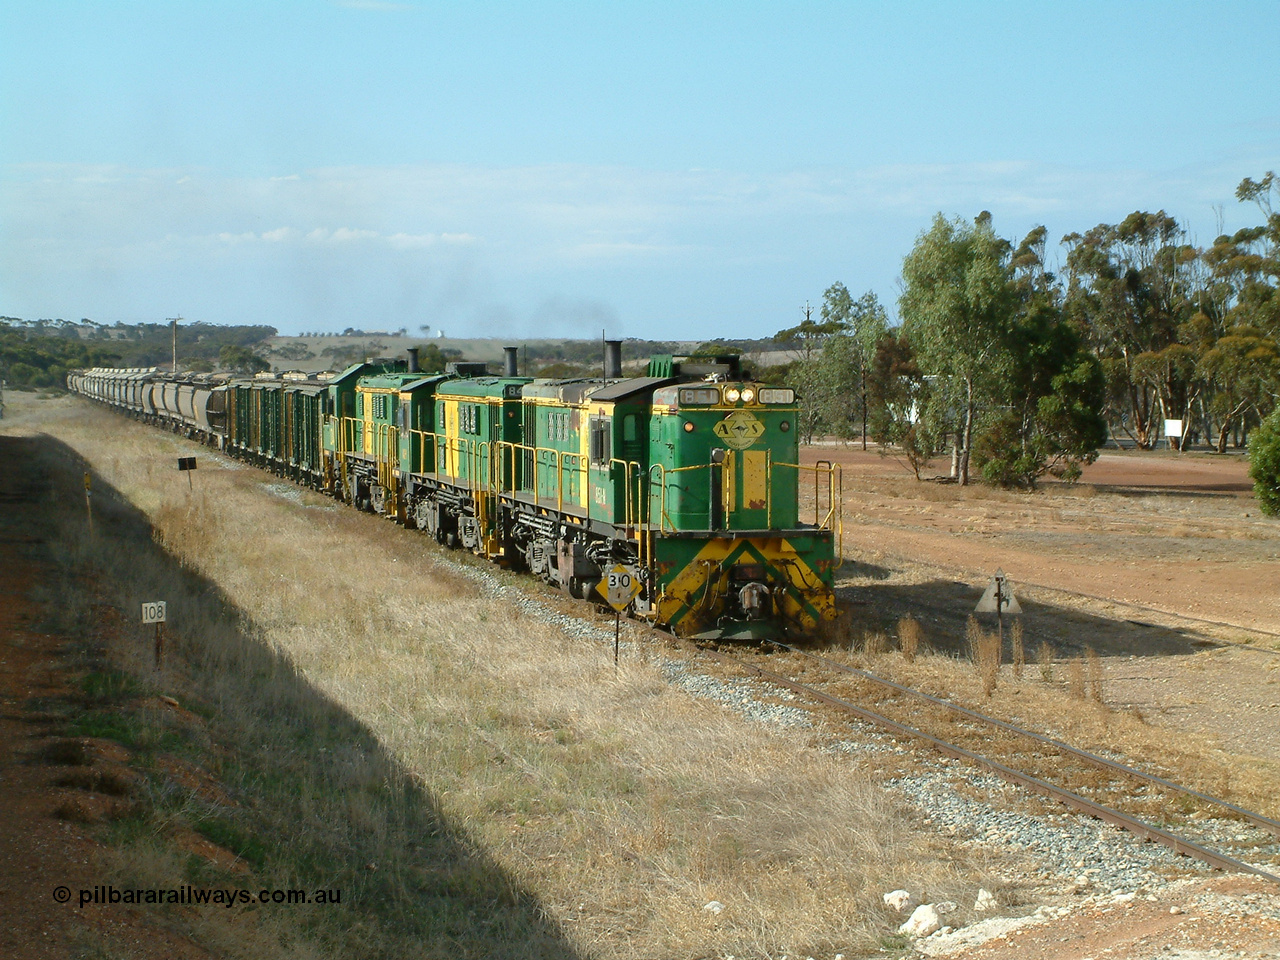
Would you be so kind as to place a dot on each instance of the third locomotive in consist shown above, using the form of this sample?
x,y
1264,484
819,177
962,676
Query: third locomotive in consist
x,y
689,476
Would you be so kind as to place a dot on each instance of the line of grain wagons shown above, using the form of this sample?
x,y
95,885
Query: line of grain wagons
x,y
688,478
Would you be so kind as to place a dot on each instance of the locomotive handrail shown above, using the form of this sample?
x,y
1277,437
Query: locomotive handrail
x,y
663,517
768,488
630,516
833,520
480,455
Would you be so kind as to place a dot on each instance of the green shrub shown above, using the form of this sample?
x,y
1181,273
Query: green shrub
x,y
1264,463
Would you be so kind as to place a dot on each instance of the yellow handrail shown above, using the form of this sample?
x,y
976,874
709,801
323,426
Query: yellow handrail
x,y
833,519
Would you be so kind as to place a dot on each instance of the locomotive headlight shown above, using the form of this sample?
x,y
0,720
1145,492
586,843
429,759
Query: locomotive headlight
x,y
688,426
732,394
748,394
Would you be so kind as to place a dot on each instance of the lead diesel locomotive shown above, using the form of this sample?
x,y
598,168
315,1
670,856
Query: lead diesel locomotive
x,y
688,477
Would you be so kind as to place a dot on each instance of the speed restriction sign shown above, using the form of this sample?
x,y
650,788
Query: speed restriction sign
x,y
619,586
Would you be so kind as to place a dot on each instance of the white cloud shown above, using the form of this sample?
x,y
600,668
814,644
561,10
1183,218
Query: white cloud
x,y
409,241
348,234
672,252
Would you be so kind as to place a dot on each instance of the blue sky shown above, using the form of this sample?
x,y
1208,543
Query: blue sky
x,y
686,170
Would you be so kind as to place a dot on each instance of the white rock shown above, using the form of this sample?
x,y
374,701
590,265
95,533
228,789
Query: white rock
x,y
715,907
899,900
986,901
945,907
924,920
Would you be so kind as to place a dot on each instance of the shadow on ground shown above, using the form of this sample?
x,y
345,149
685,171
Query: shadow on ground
x,y
304,792
944,606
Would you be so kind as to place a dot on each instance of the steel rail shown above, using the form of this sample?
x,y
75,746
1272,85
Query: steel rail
x,y
1139,828
1257,819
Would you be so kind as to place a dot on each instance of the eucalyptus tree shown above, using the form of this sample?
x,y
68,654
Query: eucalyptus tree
x,y
1243,368
958,305
895,397
841,371
866,325
1134,287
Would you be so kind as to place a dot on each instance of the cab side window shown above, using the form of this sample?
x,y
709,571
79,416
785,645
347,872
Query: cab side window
x,y
600,441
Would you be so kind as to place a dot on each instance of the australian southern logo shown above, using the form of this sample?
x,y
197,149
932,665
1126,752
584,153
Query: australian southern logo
x,y
739,429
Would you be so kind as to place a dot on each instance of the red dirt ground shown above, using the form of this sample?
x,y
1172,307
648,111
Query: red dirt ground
x,y
1178,533
39,851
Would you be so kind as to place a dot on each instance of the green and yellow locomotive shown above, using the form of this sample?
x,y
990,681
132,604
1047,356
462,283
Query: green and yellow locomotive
x,y
688,477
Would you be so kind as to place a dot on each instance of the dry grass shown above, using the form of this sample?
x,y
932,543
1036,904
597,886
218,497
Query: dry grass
x,y
875,643
1076,677
1018,645
1093,674
910,635
479,782
1056,709
984,653
1045,656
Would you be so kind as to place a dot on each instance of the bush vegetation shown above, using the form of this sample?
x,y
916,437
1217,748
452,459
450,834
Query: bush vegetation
x,y
1020,372
39,353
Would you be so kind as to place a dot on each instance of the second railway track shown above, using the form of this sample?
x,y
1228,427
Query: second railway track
x,y
1147,805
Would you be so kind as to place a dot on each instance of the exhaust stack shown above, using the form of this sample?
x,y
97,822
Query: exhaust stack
x,y
612,359
413,360
511,361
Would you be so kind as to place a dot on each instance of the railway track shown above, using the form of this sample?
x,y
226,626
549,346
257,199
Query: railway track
x,y
1041,764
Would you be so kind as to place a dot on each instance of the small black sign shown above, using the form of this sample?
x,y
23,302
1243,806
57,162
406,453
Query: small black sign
x,y
186,463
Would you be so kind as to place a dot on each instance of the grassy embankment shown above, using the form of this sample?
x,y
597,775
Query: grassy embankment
x,y
476,782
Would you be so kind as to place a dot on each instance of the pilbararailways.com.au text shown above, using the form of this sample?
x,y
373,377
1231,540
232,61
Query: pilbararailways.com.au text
x,y
186,895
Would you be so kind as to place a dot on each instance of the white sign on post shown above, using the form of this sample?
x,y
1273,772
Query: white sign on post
x,y
153,612
1173,428
999,598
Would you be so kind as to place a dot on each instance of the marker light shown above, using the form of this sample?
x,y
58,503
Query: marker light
x,y
688,426
732,394
748,394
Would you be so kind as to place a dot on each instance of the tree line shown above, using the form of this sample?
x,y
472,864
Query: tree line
x,y
1018,371
38,353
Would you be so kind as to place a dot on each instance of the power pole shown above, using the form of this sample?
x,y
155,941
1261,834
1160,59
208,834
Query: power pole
x,y
174,323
